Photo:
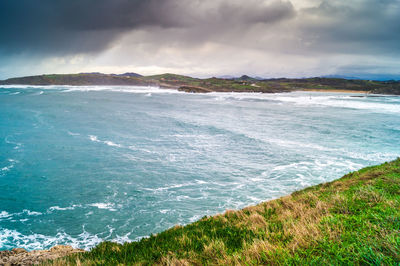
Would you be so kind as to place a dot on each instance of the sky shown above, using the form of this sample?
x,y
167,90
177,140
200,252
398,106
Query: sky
x,y
201,38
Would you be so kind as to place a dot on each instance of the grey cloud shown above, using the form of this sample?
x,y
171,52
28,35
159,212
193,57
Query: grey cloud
x,y
309,37
353,27
73,26
70,26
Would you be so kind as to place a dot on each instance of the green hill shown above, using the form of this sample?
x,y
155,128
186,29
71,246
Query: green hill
x,y
81,79
351,221
189,84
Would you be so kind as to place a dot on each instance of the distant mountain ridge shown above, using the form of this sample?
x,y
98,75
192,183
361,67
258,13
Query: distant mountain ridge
x,y
244,83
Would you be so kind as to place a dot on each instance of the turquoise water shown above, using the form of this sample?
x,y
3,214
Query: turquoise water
x,y
79,165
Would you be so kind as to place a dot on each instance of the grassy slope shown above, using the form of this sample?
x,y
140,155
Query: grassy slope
x,y
353,220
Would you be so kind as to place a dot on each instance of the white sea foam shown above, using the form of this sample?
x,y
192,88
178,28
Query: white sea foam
x,y
8,141
182,198
24,212
194,218
12,238
7,168
93,138
147,90
10,166
107,142
4,214
58,208
31,213
171,187
341,100
105,206
110,143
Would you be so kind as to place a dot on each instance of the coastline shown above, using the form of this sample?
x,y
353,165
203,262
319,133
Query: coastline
x,y
305,227
338,91
204,85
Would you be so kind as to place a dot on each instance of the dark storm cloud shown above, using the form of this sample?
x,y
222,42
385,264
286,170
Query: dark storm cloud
x,y
354,27
73,26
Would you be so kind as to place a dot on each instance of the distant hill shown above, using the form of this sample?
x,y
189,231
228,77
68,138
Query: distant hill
x,y
128,74
189,84
77,79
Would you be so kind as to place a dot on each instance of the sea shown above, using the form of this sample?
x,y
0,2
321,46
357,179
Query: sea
x,y
80,165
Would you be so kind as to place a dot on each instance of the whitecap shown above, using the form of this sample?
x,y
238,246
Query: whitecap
x,y
110,143
4,214
31,213
107,142
123,239
93,138
194,218
9,167
58,208
125,89
105,206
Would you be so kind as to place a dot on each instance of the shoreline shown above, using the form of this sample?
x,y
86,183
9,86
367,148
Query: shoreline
x,y
337,91
204,85
192,89
292,223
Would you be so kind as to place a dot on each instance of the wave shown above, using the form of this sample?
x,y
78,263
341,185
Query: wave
x,y
107,142
105,206
58,208
9,216
8,167
8,141
4,214
31,213
341,100
12,238
147,90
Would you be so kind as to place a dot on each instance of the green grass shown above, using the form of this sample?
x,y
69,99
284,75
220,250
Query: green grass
x,y
354,220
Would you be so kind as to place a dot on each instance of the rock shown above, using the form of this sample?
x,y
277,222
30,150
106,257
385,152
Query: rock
x,y
19,250
61,248
20,256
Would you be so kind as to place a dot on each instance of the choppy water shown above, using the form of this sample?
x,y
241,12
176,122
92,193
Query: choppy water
x,y
83,164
